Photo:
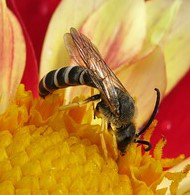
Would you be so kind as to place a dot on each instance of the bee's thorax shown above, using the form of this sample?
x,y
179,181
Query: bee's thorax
x,y
127,110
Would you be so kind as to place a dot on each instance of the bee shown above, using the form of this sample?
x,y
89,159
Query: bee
x,y
115,103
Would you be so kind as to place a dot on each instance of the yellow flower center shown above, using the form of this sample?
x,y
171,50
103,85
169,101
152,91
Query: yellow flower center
x,y
44,150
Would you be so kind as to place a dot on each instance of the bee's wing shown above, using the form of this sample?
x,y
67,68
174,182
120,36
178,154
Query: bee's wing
x,y
86,54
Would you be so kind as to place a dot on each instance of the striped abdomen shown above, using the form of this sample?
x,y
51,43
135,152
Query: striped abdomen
x,y
64,77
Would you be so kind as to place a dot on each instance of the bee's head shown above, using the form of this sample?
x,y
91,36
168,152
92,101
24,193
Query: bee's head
x,y
125,135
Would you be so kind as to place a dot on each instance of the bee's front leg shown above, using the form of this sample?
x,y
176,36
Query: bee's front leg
x,y
102,139
110,130
93,104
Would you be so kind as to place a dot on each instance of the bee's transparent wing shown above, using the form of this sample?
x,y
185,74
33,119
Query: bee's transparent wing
x,y
72,50
82,50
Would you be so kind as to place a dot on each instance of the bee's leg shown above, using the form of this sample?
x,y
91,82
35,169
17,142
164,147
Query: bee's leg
x,y
103,143
80,103
93,105
114,140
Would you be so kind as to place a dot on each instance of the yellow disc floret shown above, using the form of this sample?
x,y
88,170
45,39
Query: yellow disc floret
x,y
47,151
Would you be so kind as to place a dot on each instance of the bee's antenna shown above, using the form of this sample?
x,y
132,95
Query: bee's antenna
x,y
153,113
149,146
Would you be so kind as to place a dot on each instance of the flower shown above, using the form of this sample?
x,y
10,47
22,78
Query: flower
x,y
44,150
171,118
127,54
165,26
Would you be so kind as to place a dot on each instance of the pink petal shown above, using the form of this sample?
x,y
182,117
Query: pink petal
x,y
173,120
30,77
35,13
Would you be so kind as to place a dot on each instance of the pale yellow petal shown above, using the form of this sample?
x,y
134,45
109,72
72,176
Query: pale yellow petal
x,y
184,186
69,13
117,28
12,55
160,17
141,78
177,48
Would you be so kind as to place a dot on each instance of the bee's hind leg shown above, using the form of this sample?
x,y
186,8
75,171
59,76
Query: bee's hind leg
x,y
80,103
